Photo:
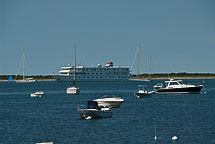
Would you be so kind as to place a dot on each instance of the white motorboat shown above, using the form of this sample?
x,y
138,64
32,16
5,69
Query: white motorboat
x,y
110,102
94,111
177,87
73,90
141,93
37,94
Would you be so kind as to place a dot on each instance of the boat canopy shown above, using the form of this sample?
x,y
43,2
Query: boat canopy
x,y
93,105
174,82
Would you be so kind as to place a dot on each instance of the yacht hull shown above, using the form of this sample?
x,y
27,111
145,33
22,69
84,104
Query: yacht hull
x,y
186,90
94,113
73,91
143,95
68,78
110,104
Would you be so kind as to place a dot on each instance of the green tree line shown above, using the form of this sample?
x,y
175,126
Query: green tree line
x,y
19,77
169,75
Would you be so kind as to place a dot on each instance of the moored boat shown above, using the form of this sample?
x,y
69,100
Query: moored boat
x,y
95,73
37,94
177,87
94,111
110,101
141,93
73,90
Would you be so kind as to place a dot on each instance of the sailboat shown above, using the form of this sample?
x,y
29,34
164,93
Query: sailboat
x,y
10,79
73,89
138,63
23,73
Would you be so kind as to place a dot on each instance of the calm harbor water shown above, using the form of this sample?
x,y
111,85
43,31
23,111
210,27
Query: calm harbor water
x,y
54,117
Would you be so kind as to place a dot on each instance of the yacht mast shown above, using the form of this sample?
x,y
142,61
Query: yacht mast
x,y
74,65
150,66
138,62
23,68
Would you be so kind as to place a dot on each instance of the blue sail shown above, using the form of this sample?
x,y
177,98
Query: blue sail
x,y
10,79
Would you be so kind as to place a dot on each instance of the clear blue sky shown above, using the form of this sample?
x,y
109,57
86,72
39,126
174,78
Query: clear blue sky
x,y
178,34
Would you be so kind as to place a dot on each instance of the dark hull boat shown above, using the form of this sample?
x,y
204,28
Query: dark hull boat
x,y
94,111
187,90
177,87
142,93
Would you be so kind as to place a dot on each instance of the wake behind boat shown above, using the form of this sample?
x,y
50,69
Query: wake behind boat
x,y
110,102
177,87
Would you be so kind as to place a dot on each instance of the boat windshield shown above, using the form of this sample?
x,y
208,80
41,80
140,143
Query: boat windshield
x,y
141,87
180,82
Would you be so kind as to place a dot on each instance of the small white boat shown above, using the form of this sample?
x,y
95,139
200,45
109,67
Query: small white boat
x,y
26,80
94,111
37,94
141,93
73,90
110,102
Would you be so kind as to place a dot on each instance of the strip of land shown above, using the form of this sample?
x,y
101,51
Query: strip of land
x,y
133,76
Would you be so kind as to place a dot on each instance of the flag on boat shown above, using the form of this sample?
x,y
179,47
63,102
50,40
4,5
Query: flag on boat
x,y
109,64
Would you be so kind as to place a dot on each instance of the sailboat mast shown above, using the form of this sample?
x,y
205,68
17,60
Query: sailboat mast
x,y
74,64
150,66
138,62
23,68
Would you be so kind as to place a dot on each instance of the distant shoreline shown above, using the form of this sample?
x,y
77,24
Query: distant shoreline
x,y
182,75
36,79
177,78
158,78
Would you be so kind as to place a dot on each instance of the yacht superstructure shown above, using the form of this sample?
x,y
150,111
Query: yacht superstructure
x,y
99,73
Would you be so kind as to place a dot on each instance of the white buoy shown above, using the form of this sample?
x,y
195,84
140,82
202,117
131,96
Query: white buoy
x,y
156,133
88,118
174,138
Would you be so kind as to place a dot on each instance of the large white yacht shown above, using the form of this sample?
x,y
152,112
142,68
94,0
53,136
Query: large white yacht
x,y
99,73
